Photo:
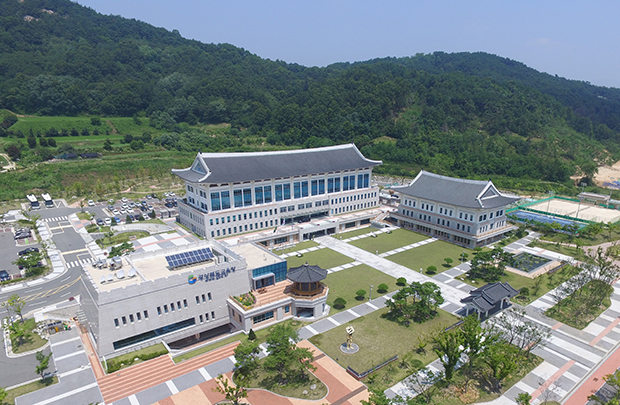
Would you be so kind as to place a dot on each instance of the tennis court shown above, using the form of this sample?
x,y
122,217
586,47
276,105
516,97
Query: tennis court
x,y
586,211
545,219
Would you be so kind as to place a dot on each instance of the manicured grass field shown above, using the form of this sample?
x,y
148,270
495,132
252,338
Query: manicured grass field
x,y
544,281
34,342
324,258
385,242
261,336
300,246
345,283
128,359
379,340
25,389
431,254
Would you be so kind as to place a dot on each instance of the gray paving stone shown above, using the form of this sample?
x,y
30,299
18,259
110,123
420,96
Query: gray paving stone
x,y
124,401
220,367
604,345
442,277
322,326
613,335
189,380
512,393
612,313
72,363
153,394
165,245
343,317
577,370
453,272
568,353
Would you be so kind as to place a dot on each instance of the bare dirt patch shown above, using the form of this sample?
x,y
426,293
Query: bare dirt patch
x,y
607,174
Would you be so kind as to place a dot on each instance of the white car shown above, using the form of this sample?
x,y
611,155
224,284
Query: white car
x,y
130,211
124,199
115,212
108,221
91,203
172,194
123,212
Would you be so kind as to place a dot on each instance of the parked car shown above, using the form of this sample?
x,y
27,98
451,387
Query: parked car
x,y
110,207
39,264
4,275
91,203
28,250
23,233
132,204
124,199
115,212
100,222
131,217
117,220
123,212
108,221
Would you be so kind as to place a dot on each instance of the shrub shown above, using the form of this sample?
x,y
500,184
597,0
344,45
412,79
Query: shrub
x,y
382,288
360,294
431,270
251,335
401,281
339,303
525,291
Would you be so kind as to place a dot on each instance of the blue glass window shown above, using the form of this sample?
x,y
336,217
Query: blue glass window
x,y
258,195
238,196
279,195
304,189
337,184
267,194
352,182
247,197
366,180
314,187
215,202
360,181
345,183
225,199
297,189
322,186
287,191
330,185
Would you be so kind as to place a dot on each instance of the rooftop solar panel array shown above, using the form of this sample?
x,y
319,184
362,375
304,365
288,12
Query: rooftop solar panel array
x,y
189,258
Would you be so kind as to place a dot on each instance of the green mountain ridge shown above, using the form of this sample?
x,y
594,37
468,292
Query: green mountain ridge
x,y
463,114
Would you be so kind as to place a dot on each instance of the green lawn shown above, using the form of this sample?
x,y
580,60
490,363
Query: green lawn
x,y
35,341
431,254
129,359
581,308
300,246
379,340
25,389
546,283
563,249
385,242
355,232
119,238
324,258
340,285
261,336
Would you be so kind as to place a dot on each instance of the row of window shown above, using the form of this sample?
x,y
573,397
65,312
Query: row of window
x,y
449,212
164,309
206,317
350,208
132,319
246,216
220,200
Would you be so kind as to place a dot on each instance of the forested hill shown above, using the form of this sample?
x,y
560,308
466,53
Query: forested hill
x,y
462,114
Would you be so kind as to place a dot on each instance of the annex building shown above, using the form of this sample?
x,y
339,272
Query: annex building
x,y
236,193
469,213
190,293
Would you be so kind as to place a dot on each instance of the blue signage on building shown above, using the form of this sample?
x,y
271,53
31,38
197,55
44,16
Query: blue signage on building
x,y
215,275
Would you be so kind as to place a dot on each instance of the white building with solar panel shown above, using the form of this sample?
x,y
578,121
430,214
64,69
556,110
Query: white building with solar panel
x,y
236,193
186,294
469,213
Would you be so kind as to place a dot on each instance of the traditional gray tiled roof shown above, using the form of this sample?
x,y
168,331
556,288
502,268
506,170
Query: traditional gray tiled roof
x,y
217,168
306,274
460,192
489,295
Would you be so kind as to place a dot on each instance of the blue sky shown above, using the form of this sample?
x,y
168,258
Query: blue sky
x,y
576,40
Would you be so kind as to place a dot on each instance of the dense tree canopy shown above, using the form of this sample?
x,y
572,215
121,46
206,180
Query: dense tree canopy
x,y
462,114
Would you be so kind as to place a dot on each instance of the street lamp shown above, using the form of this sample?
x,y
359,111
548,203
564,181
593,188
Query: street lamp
x,y
370,294
463,257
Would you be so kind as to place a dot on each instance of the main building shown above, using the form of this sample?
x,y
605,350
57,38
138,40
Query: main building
x,y
235,193
469,213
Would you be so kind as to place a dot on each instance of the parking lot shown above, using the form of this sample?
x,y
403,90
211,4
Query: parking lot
x,y
116,212
9,248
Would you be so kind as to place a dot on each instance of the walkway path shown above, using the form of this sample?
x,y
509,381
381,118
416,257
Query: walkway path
x,y
343,389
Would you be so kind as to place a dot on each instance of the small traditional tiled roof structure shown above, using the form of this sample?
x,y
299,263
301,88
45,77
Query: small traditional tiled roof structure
x,y
307,279
489,298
